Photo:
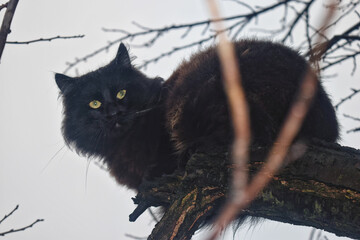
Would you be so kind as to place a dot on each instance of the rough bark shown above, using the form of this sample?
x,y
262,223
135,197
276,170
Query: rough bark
x,y
320,189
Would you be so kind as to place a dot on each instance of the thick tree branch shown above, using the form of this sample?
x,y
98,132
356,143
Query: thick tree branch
x,y
321,189
5,27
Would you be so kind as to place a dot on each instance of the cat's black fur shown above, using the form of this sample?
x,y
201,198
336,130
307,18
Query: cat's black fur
x,y
161,122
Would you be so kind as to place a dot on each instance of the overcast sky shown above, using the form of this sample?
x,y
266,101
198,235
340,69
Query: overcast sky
x,y
77,199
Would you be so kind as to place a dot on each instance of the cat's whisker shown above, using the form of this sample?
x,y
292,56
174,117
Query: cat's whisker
x,y
86,173
142,112
98,138
51,159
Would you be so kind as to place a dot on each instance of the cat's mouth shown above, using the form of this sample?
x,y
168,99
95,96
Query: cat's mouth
x,y
121,123
118,125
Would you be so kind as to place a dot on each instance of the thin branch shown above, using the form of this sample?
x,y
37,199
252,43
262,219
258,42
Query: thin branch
x,y
153,215
3,6
347,9
357,129
21,229
176,49
353,6
353,130
296,20
350,56
319,236
8,215
355,91
243,4
160,32
70,65
328,44
5,27
45,39
135,237
115,30
351,117
307,28
312,233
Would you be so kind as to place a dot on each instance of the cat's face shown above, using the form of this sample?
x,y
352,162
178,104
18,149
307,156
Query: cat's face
x,y
102,106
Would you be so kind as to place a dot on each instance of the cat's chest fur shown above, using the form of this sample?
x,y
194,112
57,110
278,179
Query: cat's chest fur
x,y
145,152
144,127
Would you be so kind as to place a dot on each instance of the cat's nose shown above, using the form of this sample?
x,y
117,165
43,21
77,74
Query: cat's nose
x,y
112,111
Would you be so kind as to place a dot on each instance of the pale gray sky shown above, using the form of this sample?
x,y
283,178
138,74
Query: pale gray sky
x,y
77,199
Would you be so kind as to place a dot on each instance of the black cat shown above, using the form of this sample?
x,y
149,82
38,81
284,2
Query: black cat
x,y
141,127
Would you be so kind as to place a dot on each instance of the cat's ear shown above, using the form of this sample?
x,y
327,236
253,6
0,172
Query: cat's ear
x,y
63,81
122,57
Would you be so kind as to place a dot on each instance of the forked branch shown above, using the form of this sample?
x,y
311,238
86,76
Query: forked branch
x,y
17,229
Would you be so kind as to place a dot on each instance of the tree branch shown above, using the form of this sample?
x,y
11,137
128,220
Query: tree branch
x,y
8,215
353,130
296,20
351,117
5,27
44,39
21,229
321,189
3,6
161,31
355,91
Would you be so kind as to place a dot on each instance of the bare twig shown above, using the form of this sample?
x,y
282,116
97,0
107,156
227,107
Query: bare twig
x,y
357,129
351,117
153,215
355,91
298,17
70,65
5,27
3,6
300,8
312,233
8,215
21,229
159,32
328,44
243,4
135,237
45,39
346,57
353,130
319,236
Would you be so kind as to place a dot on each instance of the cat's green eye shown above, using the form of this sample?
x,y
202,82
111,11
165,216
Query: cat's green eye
x,y
121,94
95,104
